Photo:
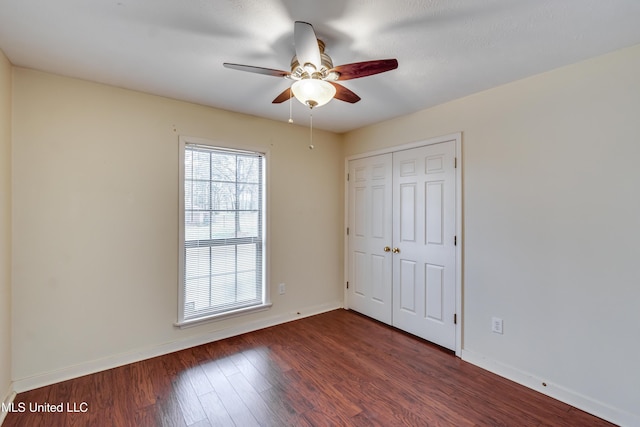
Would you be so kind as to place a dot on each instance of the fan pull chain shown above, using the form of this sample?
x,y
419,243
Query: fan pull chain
x,y
290,105
311,129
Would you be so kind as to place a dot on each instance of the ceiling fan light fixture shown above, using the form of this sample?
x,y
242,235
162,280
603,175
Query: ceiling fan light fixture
x,y
315,79
313,92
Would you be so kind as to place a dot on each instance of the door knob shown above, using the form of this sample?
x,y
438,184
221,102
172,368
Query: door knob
x,y
396,250
387,249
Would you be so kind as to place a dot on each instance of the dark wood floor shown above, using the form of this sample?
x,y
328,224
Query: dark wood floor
x,y
337,368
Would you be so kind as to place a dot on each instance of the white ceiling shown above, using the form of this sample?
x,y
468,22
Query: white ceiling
x,y
446,49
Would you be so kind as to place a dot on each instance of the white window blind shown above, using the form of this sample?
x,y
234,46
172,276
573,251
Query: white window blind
x,y
223,245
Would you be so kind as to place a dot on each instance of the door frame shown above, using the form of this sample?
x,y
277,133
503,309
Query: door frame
x,y
457,138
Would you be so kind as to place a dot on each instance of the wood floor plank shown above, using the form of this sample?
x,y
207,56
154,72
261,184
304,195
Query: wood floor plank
x,y
286,407
337,368
233,404
191,361
170,413
144,394
199,380
143,417
251,373
188,400
262,412
288,393
325,417
382,405
215,410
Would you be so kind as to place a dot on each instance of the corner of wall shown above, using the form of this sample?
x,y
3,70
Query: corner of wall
x,y
6,386
7,403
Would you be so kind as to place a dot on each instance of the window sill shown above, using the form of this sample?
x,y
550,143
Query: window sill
x,y
222,316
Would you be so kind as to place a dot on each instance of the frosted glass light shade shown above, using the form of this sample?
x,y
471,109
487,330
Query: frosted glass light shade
x,y
313,92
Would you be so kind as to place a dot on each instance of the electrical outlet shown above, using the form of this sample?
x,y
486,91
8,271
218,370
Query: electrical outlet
x,y
282,288
496,325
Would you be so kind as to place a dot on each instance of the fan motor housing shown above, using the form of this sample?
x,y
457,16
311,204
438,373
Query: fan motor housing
x,y
298,72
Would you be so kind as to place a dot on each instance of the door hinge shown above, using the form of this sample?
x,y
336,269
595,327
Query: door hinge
x,y
455,162
455,240
455,319
347,285
347,177
347,231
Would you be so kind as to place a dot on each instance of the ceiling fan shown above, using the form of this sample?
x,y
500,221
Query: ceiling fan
x,y
313,72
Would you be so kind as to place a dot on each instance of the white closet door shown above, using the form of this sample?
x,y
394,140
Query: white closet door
x,y
424,280
370,226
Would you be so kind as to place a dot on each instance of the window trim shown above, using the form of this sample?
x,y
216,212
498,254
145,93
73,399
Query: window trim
x,y
266,294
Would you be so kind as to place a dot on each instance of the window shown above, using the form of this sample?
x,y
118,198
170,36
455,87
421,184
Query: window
x,y
222,264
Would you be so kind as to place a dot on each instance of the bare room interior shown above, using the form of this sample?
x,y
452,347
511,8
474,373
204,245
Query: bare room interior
x,y
458,203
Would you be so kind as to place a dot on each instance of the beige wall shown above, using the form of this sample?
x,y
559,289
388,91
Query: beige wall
x,y
95,184
551,226
5,226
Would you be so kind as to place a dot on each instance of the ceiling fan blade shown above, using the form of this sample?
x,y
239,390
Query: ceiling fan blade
x,y
284,96
364,69
259,70
344,94
306,43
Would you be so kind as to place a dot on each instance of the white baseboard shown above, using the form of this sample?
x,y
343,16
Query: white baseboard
x,y
48,378
6,403
558,392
